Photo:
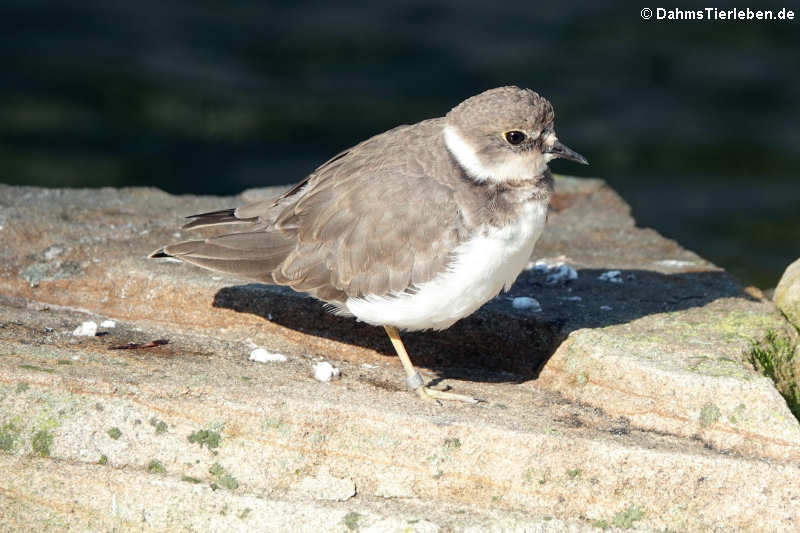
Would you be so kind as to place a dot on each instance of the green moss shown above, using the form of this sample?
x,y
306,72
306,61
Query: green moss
x,y
9,433
276,424
48,422
602,524
155,467
273,423
190,479
114,433
244,513
738,323
573,473
159,425
206,437
228,482
41,442
38,368
103,460
223,478
351,520
63,362
452,444
625,519
709,414
737,413
317,437
774,357
216,470
22,387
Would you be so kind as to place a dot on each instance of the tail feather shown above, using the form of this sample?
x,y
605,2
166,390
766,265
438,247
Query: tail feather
x,y
158,253
248,269
248,255
217,218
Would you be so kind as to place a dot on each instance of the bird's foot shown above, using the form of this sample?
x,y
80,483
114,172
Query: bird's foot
x,y
428,394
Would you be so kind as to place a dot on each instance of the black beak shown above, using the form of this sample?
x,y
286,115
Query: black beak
x,y
564,152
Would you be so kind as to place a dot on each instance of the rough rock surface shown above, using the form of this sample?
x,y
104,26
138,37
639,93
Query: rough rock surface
x,y
787,293
626,401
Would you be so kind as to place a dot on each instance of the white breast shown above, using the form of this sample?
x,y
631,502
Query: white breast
x,y
480,269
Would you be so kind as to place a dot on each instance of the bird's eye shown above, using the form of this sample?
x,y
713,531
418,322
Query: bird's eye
x,y
514,137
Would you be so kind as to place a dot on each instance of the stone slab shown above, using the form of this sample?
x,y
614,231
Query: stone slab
x,y
189,435
627,394
658,346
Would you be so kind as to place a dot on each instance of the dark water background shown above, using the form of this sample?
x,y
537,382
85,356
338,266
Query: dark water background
x,y
697,124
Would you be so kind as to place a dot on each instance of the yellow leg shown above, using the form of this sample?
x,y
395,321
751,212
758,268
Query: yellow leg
x,y
413,378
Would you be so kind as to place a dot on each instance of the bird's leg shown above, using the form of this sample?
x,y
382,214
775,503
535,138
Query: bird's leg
x,y
414,379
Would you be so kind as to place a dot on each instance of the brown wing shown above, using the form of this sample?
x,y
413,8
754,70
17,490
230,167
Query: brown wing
x,y
373,220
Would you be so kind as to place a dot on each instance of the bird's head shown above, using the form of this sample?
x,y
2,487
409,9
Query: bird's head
x,y
505,134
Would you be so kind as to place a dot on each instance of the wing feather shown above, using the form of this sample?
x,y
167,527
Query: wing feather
x,y
373,220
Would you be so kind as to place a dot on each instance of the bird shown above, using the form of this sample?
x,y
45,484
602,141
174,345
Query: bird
x,y
411,229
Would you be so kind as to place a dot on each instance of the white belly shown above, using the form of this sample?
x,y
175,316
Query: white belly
x,y
481,268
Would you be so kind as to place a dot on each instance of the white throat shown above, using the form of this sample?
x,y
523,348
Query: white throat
x,y
517,168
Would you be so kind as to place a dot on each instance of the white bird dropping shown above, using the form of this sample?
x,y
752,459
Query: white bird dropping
x,y
86,329
325,371
260,355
